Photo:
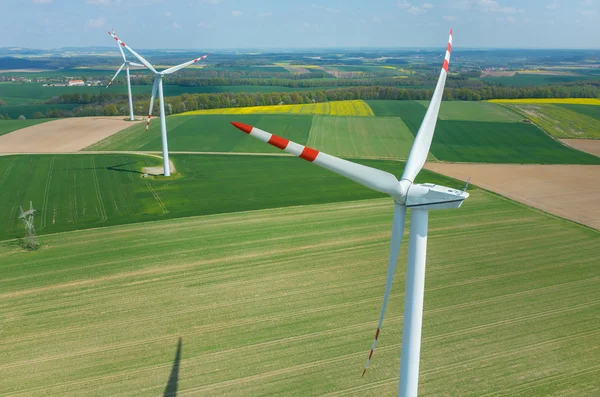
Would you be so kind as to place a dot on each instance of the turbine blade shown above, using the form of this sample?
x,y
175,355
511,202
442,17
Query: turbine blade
x,y
138,56
136,64
115,76
183,65
420,148
121,50
395,242
154,88
373,178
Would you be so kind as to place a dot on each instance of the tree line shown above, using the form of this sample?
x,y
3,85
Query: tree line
x,y
116,104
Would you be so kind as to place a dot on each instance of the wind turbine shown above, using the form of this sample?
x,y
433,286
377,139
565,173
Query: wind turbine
x,y
158,85
125,65
420,198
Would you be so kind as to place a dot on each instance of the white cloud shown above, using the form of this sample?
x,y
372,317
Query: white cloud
x,y
415,10
42,1
204,25
553,6
589,13
264,14
236,13
511,19
403,4
427,5
95,23
210,1
376,20
449,18
176,25
168,14
486,6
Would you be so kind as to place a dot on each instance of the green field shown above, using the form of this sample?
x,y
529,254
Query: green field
x,y
377,137
587,110
209,133
562,121
485,142
84,191
285,302
7,126
530,79
475,111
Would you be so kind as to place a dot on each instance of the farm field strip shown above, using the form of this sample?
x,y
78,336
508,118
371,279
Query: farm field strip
x,y
61,135
559,121
254,318
571,101
475,111
591,146
568,191
333,108
376,137
90,190
7,126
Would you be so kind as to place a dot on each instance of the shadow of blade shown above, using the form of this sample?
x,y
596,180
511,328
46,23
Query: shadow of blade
x,y
171,389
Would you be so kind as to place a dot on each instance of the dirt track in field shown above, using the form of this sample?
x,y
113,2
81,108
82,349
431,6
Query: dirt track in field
x,y
568,191
591,146
62,136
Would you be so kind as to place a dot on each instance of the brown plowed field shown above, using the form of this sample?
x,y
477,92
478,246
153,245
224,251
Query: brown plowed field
x,y
61,136
591,146
569,191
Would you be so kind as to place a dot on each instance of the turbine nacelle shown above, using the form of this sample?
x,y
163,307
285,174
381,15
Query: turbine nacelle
x,y
428,196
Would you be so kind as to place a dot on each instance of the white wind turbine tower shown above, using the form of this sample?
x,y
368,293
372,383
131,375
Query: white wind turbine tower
x,y
420,198
125,65
158,85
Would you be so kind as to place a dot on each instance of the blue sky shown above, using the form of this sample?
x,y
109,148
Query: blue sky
x,y
210,24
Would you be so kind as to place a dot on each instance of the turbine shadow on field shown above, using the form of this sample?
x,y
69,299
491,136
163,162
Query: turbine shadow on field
x,y
119,168
171,389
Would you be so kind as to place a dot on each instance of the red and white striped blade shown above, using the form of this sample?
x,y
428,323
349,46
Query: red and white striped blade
x,y
420,148
120,49
154,89
373,178
115,76
138,56
395,243
183,65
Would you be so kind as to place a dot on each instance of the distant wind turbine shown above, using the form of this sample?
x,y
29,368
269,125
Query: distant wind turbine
x,y
125,65
420,198
158,85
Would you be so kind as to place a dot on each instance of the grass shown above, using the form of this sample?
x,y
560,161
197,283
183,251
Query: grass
x,y
558,121
485,142
7,126
377,137
470,141
86,191
586,110
475,111
334,108
209,133
570,101
285,302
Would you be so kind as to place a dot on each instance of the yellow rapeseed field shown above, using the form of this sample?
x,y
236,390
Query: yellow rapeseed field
x,y
571,101
335,108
